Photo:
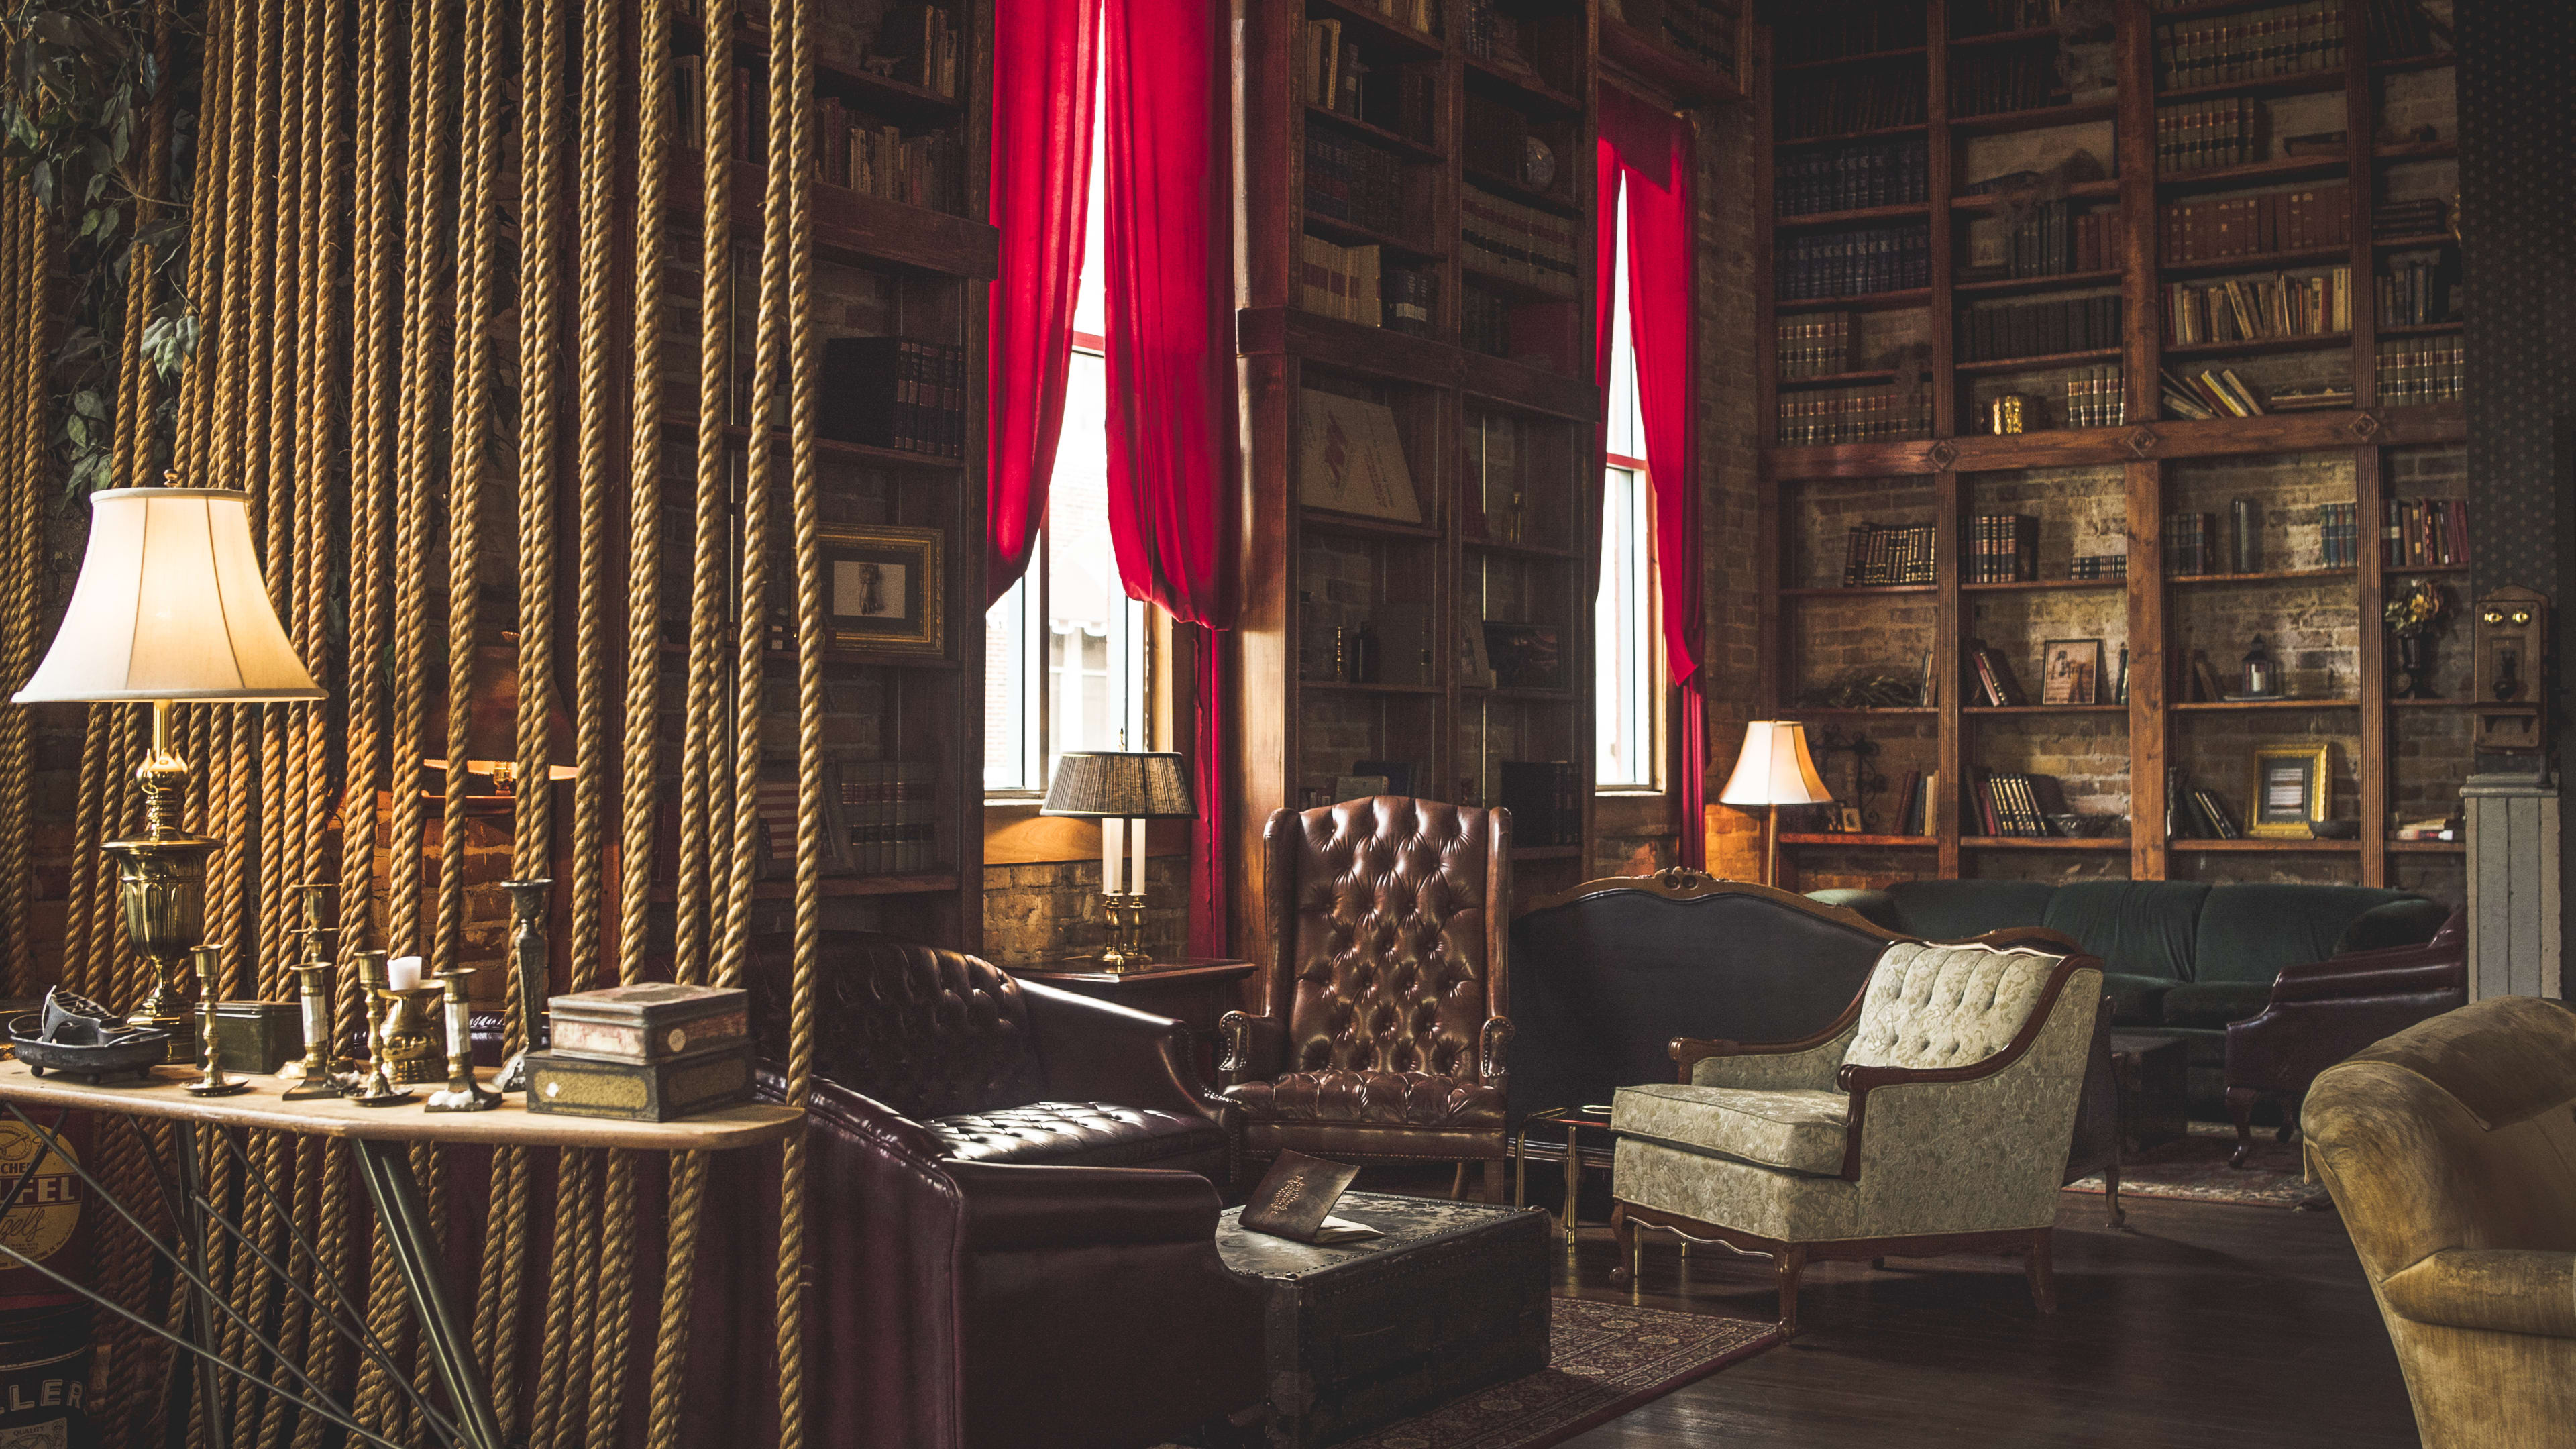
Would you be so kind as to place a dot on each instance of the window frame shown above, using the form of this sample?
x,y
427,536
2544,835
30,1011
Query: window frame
x,y
1623,447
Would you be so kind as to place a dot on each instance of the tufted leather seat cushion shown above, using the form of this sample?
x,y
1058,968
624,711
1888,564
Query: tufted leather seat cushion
x,y
928,1032
1380,1099
1793,1131
1081,1134
1946,1006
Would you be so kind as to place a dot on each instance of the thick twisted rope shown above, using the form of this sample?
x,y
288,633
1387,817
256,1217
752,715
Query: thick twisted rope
x,y
25,528
798,162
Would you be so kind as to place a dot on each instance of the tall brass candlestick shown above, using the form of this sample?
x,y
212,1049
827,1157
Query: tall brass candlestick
x,y
214,1083
373,1087
528,967
462,1093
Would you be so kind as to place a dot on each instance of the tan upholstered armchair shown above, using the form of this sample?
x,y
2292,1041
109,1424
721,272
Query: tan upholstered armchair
x,y
2451,1153
1933,1117
1386,1020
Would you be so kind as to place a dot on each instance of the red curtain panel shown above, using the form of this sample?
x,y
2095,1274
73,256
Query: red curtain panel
x,y
1045,59
1649,150
1173,512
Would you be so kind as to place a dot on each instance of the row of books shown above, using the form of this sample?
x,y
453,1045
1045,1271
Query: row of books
x,y
2097,397
2039,329
2098,566
1822,32
2244,226
1991,684
1849,177
1815,344
1840,102
880,817
2050,240
1355,181
1518,242
1878,555
1702,30
1484,321
2208,134
2292,40
1356,285
2398,29
927,170
1329,69
1854,417
1992,81
2211,392
2003,548
2013,803
2194,813
1422,15
1914,814
2338,535
1855,263
2415,290
1496,141
2257,309
894,392
2191,544
2426,370
1992,17
2420,533
2395,220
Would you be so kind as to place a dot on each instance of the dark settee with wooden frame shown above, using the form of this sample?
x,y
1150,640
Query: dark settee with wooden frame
x,y
1609,975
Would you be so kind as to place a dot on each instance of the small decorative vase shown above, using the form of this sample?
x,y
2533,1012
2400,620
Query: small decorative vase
x,y
415,1045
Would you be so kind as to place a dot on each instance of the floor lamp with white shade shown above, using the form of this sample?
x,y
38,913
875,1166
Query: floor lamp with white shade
x,y
1773,771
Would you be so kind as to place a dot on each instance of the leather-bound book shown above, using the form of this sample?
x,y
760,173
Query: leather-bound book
x,y
1295,1201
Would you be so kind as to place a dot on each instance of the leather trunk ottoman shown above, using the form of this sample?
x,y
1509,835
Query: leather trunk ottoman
x,y
1453,1299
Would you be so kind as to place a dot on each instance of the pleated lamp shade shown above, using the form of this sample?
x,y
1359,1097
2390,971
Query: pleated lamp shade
x,y
1120,785
1775,768
170,606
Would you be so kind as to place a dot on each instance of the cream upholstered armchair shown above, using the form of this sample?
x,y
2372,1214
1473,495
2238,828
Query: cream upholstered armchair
x,y
2451,1153
1932,1117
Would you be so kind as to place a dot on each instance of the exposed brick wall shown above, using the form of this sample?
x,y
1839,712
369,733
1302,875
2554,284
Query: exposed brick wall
x,y
1048,911
1730,505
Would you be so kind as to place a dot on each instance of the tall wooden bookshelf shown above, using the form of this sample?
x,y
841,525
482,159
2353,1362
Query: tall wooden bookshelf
x,y
1502,449
882,267
2123,478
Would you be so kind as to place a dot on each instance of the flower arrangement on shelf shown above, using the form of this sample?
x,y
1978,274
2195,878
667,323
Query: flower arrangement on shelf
x,y
2415,612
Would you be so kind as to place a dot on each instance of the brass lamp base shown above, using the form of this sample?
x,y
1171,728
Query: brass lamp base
x,y
1126,949
161,888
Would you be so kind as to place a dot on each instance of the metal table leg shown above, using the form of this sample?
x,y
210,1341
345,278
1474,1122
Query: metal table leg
x,y
387,1169
192,1241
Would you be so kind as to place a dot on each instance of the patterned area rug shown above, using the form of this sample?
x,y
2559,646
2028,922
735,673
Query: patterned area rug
x,y
1603,1360
2195,1168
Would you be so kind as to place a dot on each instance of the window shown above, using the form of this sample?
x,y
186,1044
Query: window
x,y
1066,652
1626,683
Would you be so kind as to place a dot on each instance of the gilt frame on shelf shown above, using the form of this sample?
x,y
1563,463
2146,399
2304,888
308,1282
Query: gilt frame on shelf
x,y
2305,775
886,588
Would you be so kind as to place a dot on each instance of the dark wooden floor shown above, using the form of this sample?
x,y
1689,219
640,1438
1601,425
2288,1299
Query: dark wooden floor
x,y
2203,1325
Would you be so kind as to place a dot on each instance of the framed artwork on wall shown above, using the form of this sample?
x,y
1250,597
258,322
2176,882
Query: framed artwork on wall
x,y
885,588
2293,785
2070,671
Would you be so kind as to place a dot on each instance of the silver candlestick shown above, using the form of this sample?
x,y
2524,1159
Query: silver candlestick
x,y
462,1093
374,1087
528,965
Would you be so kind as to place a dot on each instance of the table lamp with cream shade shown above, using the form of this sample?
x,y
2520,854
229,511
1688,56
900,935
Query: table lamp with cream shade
x,y
1773,771
170,607
1122,789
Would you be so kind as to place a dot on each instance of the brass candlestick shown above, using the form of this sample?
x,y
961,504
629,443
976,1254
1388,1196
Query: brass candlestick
x,y
411,1035
214,1083
373,1088
1126,949
314,1076
461,1094
528,968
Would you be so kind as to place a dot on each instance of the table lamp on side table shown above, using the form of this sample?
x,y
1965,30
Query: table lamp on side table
x,y
1773,771
1122,789
170,607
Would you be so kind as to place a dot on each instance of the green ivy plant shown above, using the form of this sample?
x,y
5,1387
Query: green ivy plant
x,y
75,123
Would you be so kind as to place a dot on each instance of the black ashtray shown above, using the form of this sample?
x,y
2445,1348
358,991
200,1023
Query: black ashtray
x,y
82,1040
2335,829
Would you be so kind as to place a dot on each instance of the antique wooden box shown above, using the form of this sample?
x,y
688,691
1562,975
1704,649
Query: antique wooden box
x,y
259,1036
659,1091
647,1022
1453,1299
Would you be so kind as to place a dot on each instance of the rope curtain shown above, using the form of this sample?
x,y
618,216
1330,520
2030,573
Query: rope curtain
x,y
379,191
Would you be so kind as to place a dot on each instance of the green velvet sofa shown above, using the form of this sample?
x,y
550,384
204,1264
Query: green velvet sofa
x,y
2179,958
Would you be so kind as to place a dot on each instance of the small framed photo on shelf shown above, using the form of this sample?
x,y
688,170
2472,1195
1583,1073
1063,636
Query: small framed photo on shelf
x,y
1843,818
2293,785
2070,671
885,588
1524,656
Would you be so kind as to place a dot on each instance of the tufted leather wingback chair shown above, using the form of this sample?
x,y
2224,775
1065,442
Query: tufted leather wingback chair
x,y
985,1266
1386,1014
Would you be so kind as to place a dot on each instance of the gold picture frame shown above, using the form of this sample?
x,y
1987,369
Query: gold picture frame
x,y
2293,785
885,589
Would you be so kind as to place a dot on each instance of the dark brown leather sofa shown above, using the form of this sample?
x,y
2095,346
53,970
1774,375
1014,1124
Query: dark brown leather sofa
x,y
986,1265
1385,1023
2324,1011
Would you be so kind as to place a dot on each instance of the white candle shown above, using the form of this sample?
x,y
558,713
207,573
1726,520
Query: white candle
x,y
404,972
1136,875
1109,857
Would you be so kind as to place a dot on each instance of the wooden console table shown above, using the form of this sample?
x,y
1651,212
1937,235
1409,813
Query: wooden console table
x,y
383,1138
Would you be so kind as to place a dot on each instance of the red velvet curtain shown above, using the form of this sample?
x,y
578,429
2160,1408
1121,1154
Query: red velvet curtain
x,y
1169,348
1650,150
1045,59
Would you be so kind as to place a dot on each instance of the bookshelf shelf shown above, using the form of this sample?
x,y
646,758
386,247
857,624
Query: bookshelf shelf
x,y
1827,137
2421,242
2422,329
2399,152
2266,576
2038,364
2393,570
1862,302
2079,191
2006,586
1547,201
1512,287
1518,550
2119,709
2018,286
1858,591
1527,92
2259,173
1811,220
2163,13
1318,521
1343,233
1867,57
1345,686
1867,842
1551,696
2308,83
2408,64
1805,711
2428,847
1836,379
1686,81
2257,262
1395,141
1403,39
2004,37
2038,118
2250,845
2258,346
2230,705
2044,842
